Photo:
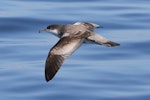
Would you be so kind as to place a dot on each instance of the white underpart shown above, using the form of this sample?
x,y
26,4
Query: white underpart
x,y
55,32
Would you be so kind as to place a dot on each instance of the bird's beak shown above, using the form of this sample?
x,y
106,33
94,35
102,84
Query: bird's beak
x,y
42,30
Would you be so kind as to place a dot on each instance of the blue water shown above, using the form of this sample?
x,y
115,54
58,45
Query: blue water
x,y
93,72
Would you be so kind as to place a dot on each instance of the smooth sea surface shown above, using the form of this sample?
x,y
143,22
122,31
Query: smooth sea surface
x,y
93,72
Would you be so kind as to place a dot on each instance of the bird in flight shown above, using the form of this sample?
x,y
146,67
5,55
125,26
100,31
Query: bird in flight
x,y
71,37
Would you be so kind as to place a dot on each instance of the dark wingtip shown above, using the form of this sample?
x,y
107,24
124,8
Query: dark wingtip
x,y
47,80
48,77
112,44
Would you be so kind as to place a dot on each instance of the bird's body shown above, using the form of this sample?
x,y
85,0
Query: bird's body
x,y
71,37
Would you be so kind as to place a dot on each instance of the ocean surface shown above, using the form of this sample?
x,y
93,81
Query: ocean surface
x,y
93,72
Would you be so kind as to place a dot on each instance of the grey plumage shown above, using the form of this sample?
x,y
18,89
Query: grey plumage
x,y
71,37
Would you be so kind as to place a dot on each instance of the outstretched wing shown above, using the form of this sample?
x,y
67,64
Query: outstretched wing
x,y
98,39
89,26
64,48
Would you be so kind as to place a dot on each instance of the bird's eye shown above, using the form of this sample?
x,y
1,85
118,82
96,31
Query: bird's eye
x,y
48,27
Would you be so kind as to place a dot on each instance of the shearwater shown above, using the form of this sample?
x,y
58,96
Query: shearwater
x,y
71,37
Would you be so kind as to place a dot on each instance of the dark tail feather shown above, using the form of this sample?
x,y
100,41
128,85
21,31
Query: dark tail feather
x,y
111,44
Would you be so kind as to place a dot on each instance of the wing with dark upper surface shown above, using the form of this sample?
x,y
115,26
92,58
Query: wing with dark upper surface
x,y
89,26
98,39
63,49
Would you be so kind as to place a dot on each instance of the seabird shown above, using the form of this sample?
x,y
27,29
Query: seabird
x,y
71,37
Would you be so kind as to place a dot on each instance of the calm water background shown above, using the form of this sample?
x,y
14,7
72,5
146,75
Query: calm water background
x,y
93,72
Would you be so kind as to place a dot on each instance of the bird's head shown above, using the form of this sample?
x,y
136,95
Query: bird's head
x,y
52,29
